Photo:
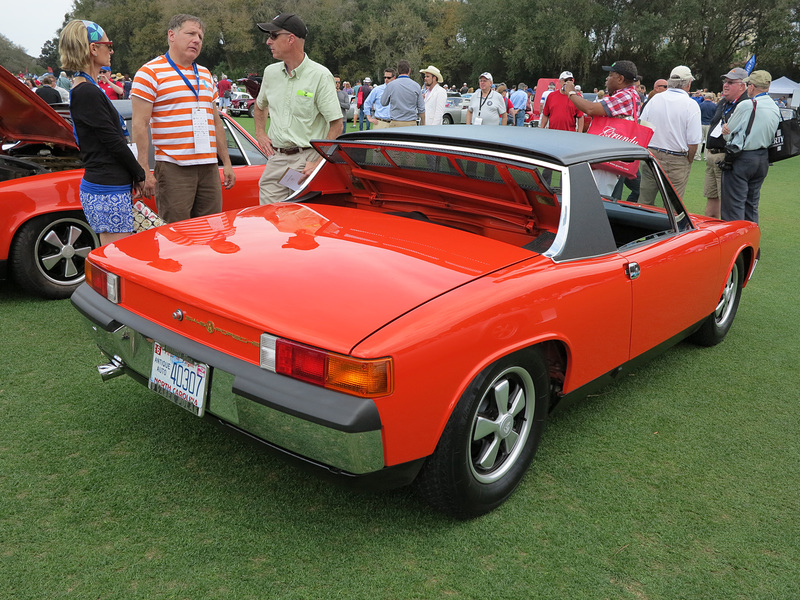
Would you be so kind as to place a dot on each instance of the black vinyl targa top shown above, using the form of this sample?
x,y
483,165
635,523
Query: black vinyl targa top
x,y
561,147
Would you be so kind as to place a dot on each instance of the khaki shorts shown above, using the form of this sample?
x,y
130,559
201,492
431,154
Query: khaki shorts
x,y
712,188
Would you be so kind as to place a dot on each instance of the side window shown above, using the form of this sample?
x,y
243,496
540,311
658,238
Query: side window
x,y
636,206
241,150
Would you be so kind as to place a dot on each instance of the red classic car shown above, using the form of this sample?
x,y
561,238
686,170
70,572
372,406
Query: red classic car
x,y
44,236
418,308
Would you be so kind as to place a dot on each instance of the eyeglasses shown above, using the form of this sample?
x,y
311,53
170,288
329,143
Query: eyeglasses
x,y
385,77
731,81
110,44
273,35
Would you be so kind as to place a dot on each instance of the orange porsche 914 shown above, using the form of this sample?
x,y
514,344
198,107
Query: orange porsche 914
x,y
421,304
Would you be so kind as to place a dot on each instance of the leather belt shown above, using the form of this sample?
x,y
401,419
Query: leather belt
x,y
384,120
668,151
289,151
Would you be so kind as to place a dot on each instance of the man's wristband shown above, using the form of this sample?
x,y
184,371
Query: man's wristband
x,y
573,92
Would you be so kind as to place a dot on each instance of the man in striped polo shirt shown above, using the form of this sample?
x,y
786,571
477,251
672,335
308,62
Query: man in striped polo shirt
x,y
174,100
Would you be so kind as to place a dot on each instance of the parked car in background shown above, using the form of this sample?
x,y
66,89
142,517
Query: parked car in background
x,y
44,236
243,105
455,110
423,302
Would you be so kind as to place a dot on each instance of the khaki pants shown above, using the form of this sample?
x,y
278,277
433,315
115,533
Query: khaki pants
x,y
402,123
677,168
269,189
189,191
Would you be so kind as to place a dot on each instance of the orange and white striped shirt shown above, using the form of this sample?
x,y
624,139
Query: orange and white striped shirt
x,y
173,102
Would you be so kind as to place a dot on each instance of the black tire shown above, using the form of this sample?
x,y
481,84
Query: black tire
x,y
718,323
252,110
490,439
447,120
49,251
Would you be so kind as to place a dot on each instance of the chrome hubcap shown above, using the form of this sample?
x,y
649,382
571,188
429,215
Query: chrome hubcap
x,y
502,425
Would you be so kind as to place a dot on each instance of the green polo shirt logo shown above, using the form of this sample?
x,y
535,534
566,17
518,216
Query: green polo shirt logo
x,y
305,94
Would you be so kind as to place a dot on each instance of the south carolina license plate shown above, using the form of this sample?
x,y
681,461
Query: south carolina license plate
x,y
179,380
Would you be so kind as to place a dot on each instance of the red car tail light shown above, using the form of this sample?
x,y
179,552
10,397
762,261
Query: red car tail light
x,y
358,377
103,282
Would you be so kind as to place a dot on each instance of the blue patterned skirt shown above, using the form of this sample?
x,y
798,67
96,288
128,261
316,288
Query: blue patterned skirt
x,y
107,207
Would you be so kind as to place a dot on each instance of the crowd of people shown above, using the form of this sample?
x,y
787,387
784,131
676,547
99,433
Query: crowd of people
x,y
174,103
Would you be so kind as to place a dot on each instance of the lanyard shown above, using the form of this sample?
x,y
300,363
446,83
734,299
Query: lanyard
x,y
196,92
482,101
88,77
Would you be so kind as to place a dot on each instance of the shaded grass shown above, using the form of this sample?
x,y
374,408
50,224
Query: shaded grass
x,y
678,482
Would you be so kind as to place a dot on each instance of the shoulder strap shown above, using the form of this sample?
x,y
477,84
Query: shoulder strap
x,y
752,118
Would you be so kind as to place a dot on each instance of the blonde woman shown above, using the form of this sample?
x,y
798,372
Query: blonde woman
x,y
111,170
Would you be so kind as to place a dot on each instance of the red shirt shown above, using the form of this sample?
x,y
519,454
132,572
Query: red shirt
x,y
109,92
560,112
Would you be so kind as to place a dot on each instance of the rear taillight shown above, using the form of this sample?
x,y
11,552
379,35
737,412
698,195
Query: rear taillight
x,y
368,378
103,282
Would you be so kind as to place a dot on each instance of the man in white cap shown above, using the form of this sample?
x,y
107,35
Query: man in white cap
x,y
559,113
434,95
486,106
677,133
299,95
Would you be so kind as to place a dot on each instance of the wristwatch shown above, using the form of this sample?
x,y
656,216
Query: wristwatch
x,y
571,93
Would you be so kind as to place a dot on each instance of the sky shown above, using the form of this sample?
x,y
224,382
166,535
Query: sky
x,y
30,23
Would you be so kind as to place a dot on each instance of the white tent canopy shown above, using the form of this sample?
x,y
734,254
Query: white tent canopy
x,y
783,87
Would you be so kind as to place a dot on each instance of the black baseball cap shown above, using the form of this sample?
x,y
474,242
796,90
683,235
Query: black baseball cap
x,y
287,22
625,68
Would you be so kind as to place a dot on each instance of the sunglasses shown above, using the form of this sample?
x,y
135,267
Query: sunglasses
x,y
732,81
273,35
385,77
109,44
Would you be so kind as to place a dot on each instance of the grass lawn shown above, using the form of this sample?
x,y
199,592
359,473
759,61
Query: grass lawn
x,y
681,481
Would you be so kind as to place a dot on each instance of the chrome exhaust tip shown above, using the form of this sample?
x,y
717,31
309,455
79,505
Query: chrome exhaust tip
x,y
111,370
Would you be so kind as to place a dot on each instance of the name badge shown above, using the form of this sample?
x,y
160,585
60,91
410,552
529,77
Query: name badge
x,y
477,121
202,138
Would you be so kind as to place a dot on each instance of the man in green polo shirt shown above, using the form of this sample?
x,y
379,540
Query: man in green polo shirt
x,y
299,96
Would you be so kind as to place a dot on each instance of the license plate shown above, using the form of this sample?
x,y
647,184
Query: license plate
x,y
179,379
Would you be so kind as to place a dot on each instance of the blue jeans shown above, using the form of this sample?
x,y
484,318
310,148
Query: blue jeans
x,y
519,120
741,186
362,117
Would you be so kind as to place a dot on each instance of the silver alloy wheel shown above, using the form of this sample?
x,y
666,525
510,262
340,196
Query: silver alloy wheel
x,y
61,249
727,301
501,424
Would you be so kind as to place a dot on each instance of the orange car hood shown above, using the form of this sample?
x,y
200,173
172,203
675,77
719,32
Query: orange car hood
x,y
323,275
25,117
